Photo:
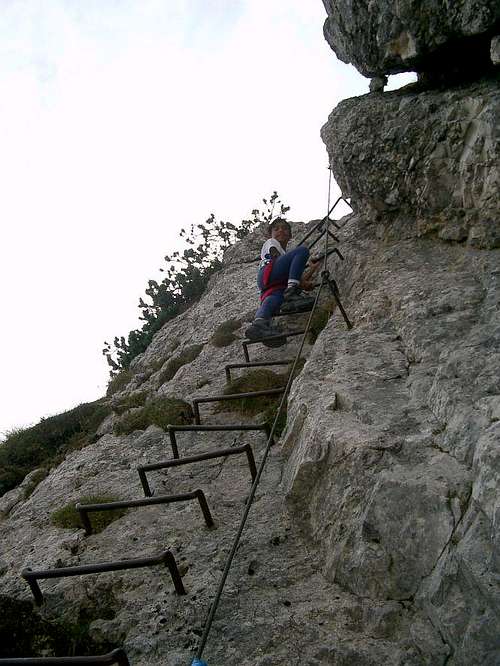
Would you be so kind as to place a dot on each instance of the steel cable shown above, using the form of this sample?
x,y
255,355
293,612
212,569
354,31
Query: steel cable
x,y
253,490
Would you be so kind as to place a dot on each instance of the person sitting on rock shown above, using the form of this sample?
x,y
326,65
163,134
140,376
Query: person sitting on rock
x,y
280,278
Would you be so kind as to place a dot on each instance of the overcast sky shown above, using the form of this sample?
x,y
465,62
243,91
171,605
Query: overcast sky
x,y
121,121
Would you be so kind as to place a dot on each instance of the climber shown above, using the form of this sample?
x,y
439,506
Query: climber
x,y
280,278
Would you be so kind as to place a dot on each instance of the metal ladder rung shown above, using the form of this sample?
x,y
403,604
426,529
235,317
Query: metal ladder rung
x,y
172,429
231,396
117,656
188,460
85,509
285,334
31,577
254,364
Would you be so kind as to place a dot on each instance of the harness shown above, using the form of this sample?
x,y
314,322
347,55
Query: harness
x,y
271,287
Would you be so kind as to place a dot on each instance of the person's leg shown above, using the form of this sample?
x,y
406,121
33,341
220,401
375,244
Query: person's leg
x,y
262,326
290,266
270,306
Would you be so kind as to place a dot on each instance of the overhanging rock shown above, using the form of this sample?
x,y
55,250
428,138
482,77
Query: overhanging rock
x,y
429,160
390,36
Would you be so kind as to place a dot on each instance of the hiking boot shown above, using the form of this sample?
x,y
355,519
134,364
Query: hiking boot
x,y
292,292
261,329
296,304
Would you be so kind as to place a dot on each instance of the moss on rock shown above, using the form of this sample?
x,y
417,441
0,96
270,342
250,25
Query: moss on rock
x,y
319,320
68,517
188,355
224,334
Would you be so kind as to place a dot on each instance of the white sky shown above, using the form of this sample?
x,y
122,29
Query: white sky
x,y
122,121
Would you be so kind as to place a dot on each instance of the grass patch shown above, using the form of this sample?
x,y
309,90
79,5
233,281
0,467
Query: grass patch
x,y
320,319
119,382
224,334
160,411
257,380
48,442
186,356
136,399
68,517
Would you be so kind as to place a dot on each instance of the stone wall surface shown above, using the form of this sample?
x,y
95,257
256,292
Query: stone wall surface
x,y
428,160
390,36
396,479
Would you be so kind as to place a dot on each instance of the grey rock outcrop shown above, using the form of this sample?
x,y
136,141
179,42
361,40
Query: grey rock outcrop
x,y
389,36
9,499
397,482
428,161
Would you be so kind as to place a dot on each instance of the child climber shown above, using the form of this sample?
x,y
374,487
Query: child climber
x,y
280,278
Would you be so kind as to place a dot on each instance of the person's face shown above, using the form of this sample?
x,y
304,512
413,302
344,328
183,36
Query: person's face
x,y
281,233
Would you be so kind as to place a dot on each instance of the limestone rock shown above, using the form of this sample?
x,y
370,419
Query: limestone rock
x,y
389,36
426,161
396,481
9,499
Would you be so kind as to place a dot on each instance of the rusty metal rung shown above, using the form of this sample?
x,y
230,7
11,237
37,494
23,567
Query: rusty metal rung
x,y
171,429
247,343
231,396
188,460
254,364
85,509
31,577
117,656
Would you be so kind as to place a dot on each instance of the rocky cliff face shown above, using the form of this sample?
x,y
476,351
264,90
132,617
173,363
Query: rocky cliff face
x,y
390,36
398,485
374,536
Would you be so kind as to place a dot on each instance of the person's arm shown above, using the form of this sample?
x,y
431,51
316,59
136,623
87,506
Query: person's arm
x,y
307,281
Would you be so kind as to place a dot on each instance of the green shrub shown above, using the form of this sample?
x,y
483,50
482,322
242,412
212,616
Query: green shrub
x,y
67,516
119,382
48,442
136,399
224,334
187,355
319,320
160,411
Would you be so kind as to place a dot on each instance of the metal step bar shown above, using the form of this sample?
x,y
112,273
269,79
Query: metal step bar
x,y
177,462
231,396
172,429
85,509
31,577
117,656
254,364
285,334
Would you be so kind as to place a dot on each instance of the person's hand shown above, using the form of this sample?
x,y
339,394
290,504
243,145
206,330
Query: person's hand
x,y
315,260
306,284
